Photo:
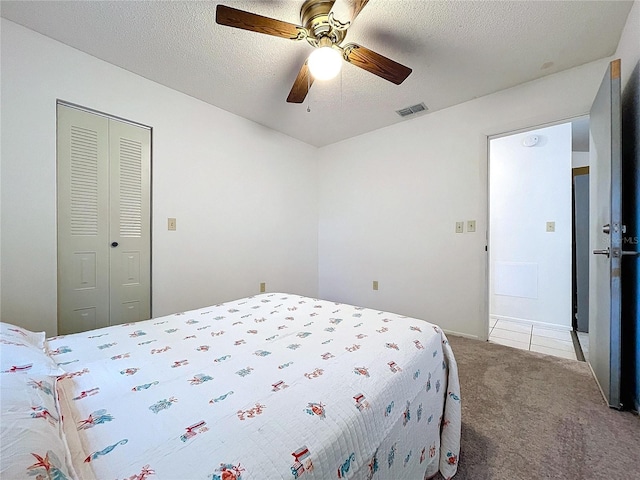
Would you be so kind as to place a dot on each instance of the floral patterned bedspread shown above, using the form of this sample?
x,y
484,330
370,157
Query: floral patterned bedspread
x,y
267,387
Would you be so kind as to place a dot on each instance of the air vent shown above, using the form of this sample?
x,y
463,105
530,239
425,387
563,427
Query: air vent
x,y
412,110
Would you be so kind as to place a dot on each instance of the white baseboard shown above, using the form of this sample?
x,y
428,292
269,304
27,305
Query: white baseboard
x,y
459,334
553,326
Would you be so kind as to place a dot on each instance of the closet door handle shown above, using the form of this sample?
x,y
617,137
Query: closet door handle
x,y
114,244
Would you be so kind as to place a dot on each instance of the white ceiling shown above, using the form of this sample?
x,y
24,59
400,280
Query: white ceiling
x,y
458,50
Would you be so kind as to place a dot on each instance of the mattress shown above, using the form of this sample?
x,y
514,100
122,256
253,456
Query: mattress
x,y
267,387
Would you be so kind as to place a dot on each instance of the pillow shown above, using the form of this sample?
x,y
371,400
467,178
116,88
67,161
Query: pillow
x,y
22,351
31,441
21,335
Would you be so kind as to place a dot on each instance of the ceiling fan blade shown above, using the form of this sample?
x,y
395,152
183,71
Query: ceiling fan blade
x,y
375,63
232,17
344,12
301,86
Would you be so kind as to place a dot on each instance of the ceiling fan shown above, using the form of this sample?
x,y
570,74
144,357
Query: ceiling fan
x,y
324,27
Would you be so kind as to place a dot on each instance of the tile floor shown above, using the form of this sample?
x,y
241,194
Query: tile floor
x,y
531,337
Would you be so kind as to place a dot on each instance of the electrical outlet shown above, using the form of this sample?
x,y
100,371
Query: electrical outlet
x,y
459,227
171,224
471,225
263,287
375,284
551,226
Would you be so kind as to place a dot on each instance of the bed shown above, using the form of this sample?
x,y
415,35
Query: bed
x,y
267,387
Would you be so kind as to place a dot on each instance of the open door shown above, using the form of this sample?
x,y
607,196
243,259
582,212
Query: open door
x,y
605,220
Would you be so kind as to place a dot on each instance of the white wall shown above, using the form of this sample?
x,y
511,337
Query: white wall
x,y
629,46
245,197
579,159
530,268
389,201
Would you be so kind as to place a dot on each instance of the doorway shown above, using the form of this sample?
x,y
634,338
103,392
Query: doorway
x,y
531,275
104,220
581,252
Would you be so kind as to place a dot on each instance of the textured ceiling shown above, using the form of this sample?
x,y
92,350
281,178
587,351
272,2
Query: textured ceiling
x,y
458,50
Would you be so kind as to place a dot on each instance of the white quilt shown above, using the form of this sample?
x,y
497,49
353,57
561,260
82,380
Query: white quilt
x,y
268,387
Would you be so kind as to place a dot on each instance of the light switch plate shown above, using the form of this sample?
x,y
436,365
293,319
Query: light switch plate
x,y
551,226
471,226
459,227
263,287
375,284
171,224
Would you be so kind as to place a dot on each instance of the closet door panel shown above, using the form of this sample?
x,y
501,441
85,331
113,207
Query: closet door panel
x,y
83,220
130,227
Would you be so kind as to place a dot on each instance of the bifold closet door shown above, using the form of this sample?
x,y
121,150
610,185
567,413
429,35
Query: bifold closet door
x,y
129,223
103,171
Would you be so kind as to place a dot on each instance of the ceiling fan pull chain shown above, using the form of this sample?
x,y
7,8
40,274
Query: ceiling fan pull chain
x,y
308,93
341,91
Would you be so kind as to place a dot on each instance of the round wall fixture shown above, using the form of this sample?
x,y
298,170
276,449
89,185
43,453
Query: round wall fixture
x,y
530,141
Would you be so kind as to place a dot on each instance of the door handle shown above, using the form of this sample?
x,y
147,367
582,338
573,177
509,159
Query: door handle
x,y
607,228
114,244
617,253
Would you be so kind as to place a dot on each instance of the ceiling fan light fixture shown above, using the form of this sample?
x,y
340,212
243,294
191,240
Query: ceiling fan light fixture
x,y
325,63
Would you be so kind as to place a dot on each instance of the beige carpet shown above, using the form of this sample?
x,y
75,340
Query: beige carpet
x,y
530,416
